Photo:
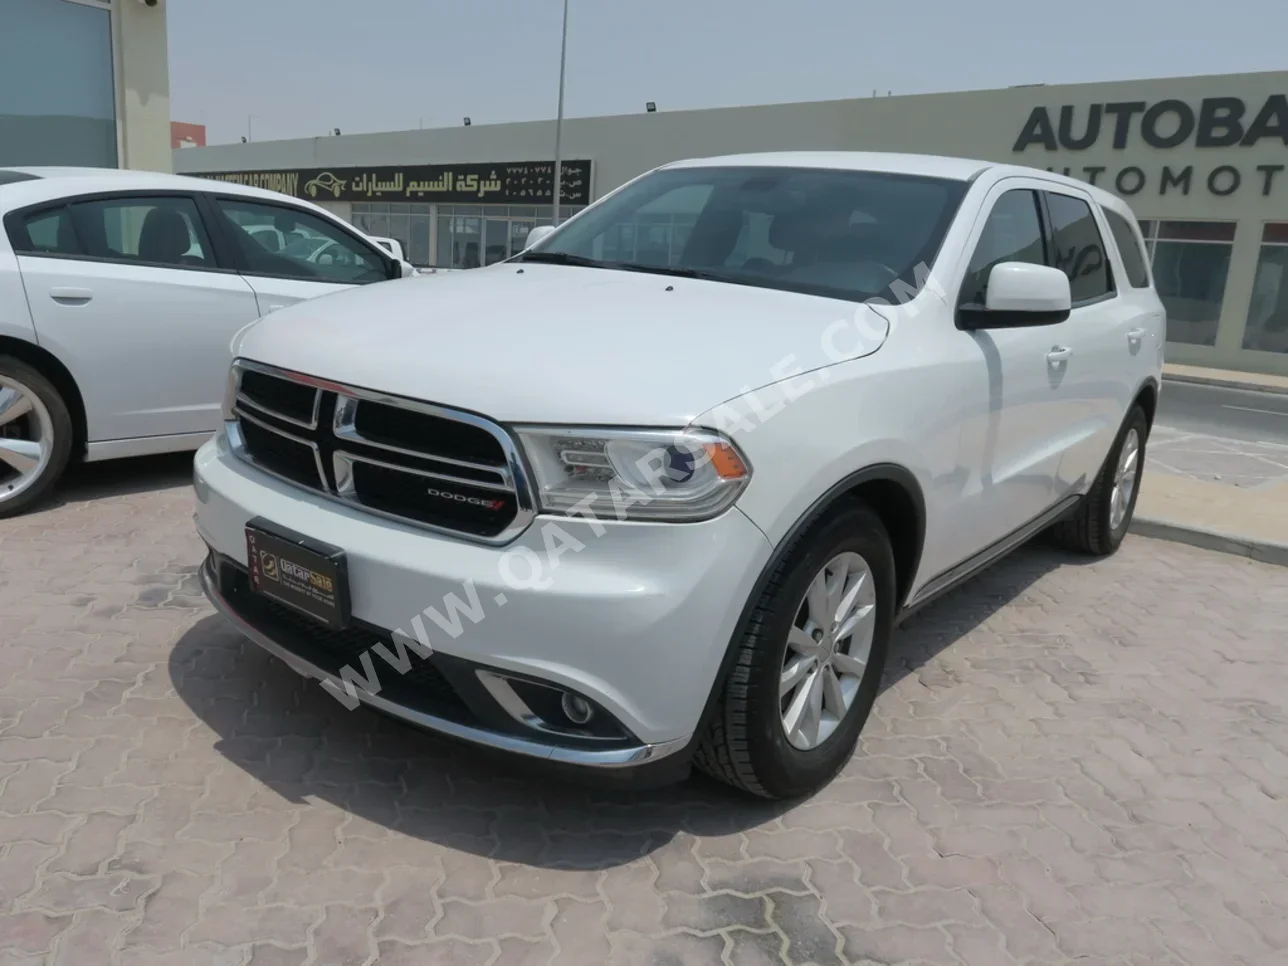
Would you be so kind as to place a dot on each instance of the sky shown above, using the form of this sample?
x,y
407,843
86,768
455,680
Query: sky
x,y
299,68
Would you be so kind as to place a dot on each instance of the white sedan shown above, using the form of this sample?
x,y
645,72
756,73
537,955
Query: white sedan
x,y
120,293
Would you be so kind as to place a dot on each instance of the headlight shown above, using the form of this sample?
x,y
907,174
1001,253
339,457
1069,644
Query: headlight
x,y
634,474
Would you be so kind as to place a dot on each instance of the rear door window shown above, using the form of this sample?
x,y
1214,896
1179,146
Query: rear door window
x,y
164,231
1077,248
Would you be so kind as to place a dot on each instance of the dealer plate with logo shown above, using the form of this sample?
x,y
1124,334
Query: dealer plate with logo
x,y
305,575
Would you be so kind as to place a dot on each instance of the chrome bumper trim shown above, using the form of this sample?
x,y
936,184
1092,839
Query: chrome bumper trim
x,y
589,758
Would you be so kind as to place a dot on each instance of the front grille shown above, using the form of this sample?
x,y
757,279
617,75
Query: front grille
x,y
286,457
423,687
291,400
407,429
413,461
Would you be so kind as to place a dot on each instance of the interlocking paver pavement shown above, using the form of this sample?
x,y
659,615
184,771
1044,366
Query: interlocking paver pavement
x,y
1070,763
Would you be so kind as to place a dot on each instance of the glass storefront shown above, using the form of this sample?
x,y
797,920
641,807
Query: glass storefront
x,y
65,115
1191,263
456,236
1267,328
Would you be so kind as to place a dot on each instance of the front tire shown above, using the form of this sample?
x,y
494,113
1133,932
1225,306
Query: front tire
x,y
35,436
809,664
1104,516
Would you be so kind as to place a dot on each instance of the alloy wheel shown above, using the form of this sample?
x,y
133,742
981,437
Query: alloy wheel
x,y
828,648
26,438
1126,475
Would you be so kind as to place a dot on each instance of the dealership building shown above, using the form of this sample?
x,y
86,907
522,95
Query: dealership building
x,y
1201,160
84,82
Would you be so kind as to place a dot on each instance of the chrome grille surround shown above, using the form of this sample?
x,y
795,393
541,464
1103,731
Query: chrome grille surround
x,y
337,445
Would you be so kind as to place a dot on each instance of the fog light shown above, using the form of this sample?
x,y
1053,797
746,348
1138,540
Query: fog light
x,y
576,709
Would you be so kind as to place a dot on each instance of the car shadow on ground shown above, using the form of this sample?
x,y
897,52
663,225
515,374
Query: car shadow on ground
x,y
142,474
297,740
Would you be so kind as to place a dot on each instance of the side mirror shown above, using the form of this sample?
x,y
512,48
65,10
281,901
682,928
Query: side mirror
x,y
538,233
406,269
1019,294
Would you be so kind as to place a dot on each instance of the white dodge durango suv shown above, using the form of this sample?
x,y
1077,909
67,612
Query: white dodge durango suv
x,y
655,491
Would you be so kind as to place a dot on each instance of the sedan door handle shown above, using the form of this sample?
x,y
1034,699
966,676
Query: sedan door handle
x,y
1135,335
71,296
1059,355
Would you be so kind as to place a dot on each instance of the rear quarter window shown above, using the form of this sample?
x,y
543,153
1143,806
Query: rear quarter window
x,y
1129,248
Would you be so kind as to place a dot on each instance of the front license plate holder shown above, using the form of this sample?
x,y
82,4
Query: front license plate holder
x,y
305,575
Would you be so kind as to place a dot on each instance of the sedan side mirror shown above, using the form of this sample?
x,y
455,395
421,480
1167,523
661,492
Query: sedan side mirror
x,y
1019,294
538,233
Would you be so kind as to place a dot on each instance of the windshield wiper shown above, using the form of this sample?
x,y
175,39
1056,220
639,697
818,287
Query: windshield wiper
x,y
562,258
674,270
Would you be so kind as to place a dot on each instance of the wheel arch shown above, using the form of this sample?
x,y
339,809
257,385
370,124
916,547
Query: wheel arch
x,y
893,493
1147,399
52,368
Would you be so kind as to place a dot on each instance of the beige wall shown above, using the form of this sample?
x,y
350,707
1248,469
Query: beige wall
x,y
982,124
143,85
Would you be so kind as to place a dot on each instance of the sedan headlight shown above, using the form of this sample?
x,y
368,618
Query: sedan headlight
x,y
634,474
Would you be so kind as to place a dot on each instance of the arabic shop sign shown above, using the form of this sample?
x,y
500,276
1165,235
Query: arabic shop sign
x,y
523,182
1217,122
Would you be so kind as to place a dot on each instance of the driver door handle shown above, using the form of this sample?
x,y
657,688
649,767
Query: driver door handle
x,y
71,296
1059,355
1135,335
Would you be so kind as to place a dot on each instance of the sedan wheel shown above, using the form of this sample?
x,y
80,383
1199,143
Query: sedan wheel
x,y
26,438
827,651
35,436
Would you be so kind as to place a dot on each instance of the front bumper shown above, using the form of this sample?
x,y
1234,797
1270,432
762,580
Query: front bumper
x,y
636,619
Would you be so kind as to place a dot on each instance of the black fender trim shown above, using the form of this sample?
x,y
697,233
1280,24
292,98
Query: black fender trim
x,y
879,472
1153,385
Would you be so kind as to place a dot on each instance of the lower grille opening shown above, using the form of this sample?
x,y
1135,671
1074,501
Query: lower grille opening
x,y
457,506
423,688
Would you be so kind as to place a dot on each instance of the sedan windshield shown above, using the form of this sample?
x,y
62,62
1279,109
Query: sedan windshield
x,y
838,233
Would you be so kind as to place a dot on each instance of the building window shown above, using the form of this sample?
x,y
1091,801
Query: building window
x,y
65,115
1191,262
470,236
1267,328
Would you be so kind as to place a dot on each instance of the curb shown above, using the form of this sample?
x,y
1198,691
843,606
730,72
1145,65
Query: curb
x,y
1266,551
1228,384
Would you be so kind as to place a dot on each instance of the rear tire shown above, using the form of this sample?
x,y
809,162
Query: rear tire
x,y
35,436
753,742
1104,516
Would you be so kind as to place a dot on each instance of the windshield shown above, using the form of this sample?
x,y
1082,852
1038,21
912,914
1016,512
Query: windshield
x,y
838,233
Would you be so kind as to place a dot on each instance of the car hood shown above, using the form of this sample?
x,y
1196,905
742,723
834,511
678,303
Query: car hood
x,y
534,342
